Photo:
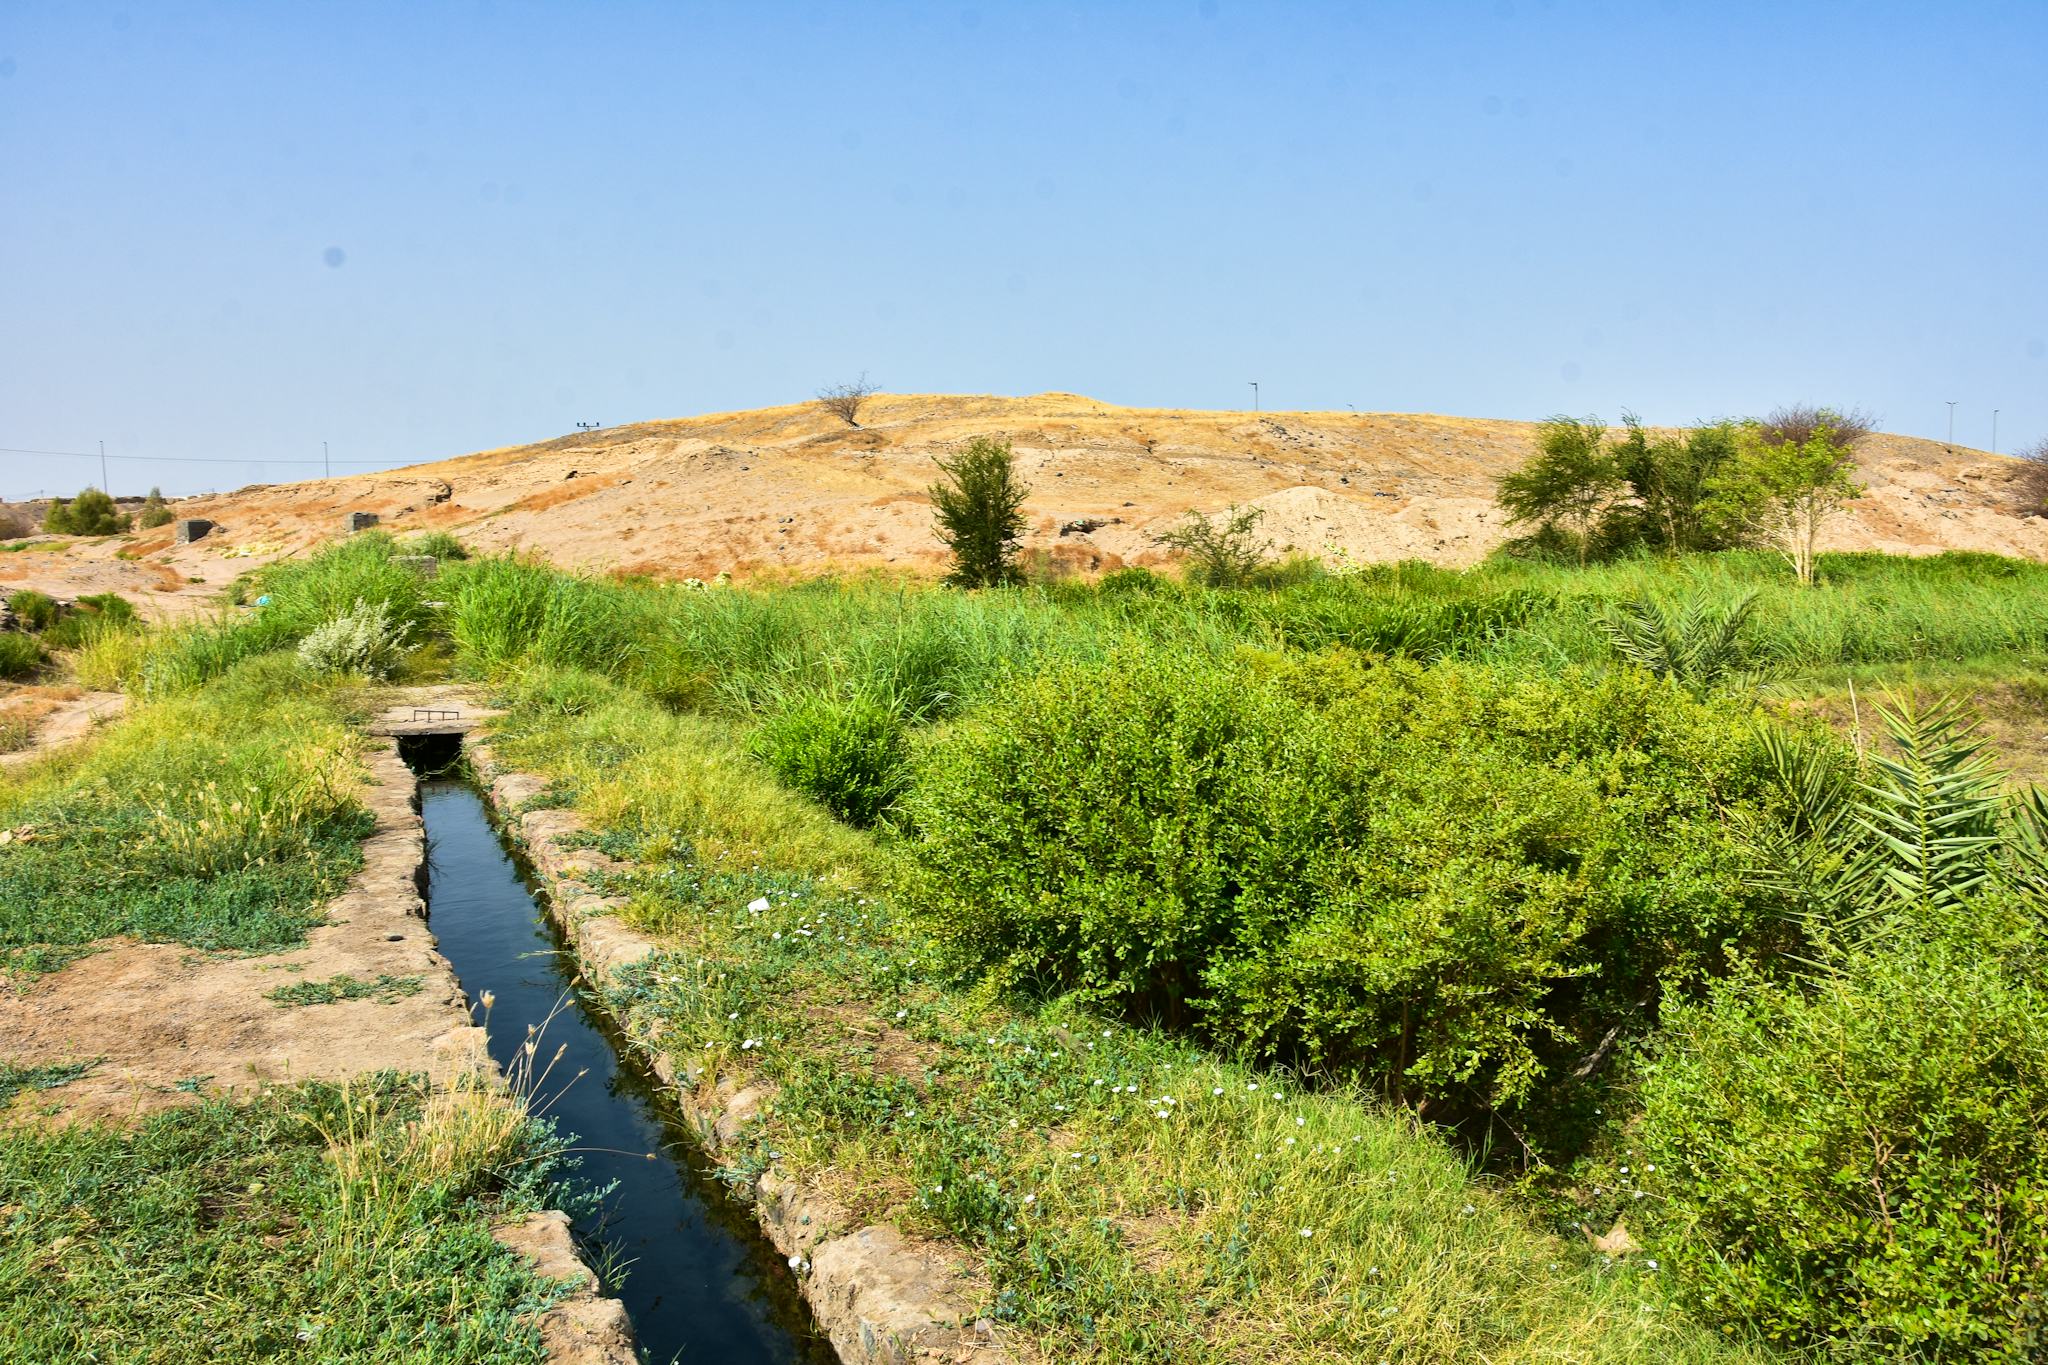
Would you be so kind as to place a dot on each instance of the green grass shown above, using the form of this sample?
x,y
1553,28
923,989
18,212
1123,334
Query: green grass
x,y
1110,1224
747,651
20,654
316,1223
15,1079
222,819
385,989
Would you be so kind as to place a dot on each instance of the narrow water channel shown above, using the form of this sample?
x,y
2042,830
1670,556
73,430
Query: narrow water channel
x,y
701,1283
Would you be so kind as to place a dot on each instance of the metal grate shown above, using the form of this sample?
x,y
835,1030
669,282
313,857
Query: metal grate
x,y
429,713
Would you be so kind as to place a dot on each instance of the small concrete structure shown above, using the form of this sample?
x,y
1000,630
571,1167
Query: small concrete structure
x,y
358,521
426,566
189,529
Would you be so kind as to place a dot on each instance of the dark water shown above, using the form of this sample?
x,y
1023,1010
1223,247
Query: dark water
x,y
700,1281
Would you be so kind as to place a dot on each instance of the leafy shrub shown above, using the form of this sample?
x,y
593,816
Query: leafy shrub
x,y
978,510
1447,881
439,544
1858,1164
20,655
91,513
93,615
1220,555
848,753
34,610
365,642
155,512
307,593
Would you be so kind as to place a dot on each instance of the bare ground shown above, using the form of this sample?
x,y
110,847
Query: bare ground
x,y
62,715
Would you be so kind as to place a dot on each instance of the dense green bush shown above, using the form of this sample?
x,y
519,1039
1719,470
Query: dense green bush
x,y
20,654
1858,1164
93,615
849,753
91,513
155,512
34,610
305,593
439,544
1446,881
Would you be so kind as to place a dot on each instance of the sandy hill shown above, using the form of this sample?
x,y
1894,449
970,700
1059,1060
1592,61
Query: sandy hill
x,y
794,488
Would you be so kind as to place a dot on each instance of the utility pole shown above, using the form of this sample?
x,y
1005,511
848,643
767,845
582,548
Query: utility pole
x,y
103,470
1994,431
326,472
1951,426
1255,393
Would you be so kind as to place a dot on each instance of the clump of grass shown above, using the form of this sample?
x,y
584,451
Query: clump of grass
x,y
35,610
110,659
17,731
20,654
384,989
440,544
318,1222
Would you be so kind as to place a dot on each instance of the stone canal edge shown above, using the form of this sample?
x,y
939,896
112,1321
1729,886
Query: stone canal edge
x,y
880,1297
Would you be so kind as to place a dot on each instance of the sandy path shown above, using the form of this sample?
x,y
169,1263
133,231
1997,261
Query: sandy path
x,y
68,722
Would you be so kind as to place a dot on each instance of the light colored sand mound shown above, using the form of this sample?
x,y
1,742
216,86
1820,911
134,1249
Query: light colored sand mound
x,y
796,489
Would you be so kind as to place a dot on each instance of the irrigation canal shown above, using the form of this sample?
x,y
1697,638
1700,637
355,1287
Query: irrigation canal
x,y
700,1281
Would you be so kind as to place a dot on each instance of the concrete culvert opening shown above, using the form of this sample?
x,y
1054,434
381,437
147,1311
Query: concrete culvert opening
x,y
431,754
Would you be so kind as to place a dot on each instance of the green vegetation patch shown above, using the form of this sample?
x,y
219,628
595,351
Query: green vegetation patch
x,y
1130,1197
15,1079
223,819
1448,883
316,1223
385,989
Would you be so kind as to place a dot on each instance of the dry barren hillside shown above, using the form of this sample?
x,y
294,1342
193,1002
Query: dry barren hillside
x,y
794,488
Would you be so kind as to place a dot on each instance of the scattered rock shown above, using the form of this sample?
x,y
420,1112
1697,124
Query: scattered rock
x,y
585,1328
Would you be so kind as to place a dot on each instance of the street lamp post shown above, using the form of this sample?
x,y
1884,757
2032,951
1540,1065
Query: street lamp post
x,y
1255,393
1951,425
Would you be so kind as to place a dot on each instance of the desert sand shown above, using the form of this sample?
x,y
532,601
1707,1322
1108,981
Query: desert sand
x,y
797,490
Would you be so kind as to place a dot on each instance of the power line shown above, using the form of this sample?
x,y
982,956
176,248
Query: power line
x,y
182,459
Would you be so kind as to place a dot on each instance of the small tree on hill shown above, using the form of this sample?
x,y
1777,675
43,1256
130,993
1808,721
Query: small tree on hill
x,y
91,513
1791,474
1568,484
2030,487
1219,555
154,511
980,513
844,400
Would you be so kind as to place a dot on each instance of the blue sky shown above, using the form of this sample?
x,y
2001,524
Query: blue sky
x,y
229,232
